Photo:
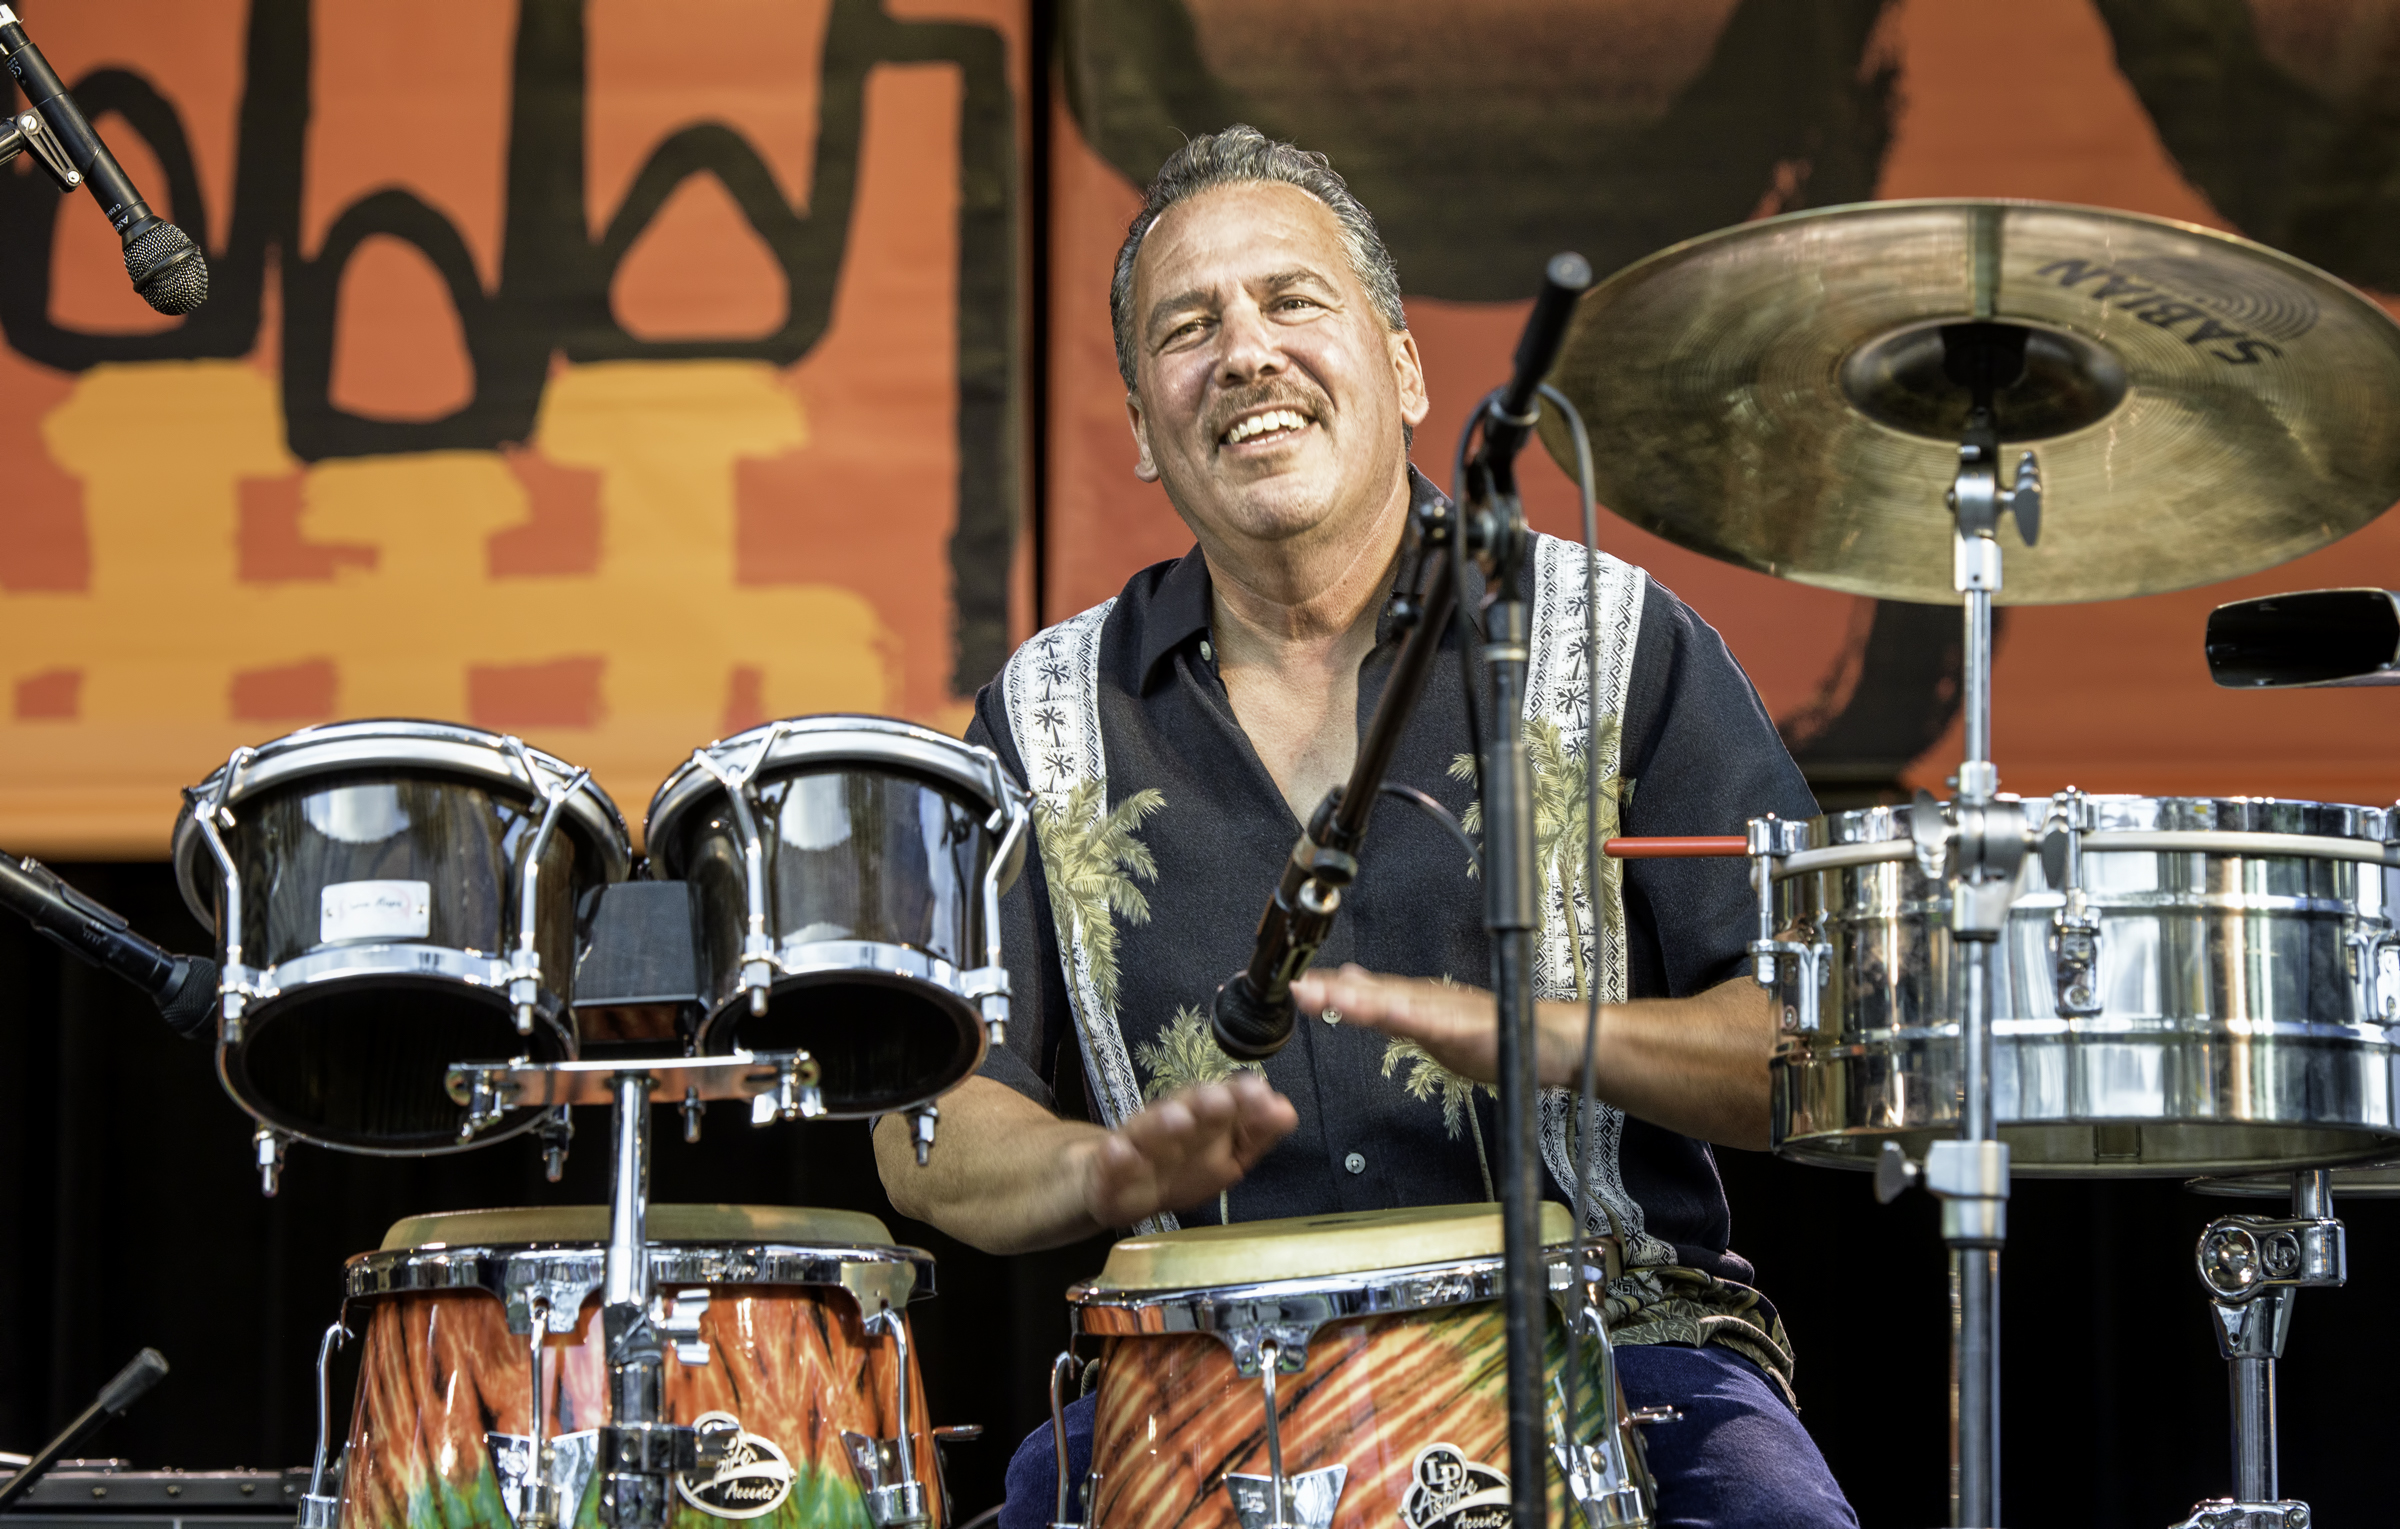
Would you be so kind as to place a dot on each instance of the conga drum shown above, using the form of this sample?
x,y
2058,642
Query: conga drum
x,y
1364,1351
390,898
800,1356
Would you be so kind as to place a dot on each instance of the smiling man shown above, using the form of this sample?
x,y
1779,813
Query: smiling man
x,y
1177,737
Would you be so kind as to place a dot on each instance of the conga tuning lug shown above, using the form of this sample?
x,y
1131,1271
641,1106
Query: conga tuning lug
x,y
693,1114
557,1132
921,1123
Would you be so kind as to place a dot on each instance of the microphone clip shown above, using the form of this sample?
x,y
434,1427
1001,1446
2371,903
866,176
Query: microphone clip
x,y
26,134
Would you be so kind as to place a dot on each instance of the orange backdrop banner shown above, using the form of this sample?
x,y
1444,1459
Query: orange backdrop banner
x,y
614,377
1485,138
621,378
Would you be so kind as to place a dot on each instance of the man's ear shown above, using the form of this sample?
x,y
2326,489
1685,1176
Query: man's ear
x,y
1145,466
1408,370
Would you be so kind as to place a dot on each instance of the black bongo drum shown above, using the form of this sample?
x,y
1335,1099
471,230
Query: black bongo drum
x,y
392,897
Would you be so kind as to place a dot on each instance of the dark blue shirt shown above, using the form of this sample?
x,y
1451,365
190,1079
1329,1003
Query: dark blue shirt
x,y
1701,756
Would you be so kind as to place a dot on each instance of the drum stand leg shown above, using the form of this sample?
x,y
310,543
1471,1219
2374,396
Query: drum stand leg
x,y
640,1454
2251,1266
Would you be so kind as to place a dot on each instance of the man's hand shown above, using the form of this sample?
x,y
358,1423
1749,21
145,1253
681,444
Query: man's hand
x,y
1184,1149
1008,1176
1694,1065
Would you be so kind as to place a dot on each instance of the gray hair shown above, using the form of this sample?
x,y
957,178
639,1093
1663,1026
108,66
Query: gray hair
x,y
1237,155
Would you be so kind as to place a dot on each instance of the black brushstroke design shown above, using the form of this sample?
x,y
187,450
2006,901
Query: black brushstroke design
x,y
553,293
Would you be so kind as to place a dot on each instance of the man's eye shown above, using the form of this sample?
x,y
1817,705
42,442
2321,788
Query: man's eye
x,y
1288,304
1182,331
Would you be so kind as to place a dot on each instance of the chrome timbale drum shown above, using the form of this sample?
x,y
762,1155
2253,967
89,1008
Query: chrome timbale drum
x,y
2239,994
369,884
847,872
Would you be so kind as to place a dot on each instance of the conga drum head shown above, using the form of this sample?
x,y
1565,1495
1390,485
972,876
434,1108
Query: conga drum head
x,y
482,1339
377,868
881,846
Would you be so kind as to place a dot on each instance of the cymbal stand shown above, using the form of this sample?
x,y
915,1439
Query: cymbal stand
x,y
2250,1266
1975,846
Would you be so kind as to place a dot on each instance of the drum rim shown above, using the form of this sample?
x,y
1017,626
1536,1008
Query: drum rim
x,y
457,749
1214,1310
485,1267
2367,823
919,750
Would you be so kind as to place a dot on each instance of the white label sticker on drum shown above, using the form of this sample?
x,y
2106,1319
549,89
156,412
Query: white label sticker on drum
x,y
376,910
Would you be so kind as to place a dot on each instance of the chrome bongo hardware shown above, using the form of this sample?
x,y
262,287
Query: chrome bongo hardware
x,y
758,951
391,895
524,974
1606,1474
266,1145
850,901
921,1123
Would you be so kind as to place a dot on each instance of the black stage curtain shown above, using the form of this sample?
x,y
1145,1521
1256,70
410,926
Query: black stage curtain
x,y
133,1217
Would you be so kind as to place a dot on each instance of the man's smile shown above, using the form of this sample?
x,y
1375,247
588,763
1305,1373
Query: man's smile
x,y
1262,428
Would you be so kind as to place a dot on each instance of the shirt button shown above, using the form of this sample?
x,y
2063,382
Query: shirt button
x,y
1330,1016
1355,1162
1208,655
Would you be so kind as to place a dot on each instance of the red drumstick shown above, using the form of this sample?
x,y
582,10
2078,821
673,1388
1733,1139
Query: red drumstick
x,y
1676,848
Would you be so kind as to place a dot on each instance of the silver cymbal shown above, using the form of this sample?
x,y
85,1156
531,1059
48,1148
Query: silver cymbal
x,y
1775,394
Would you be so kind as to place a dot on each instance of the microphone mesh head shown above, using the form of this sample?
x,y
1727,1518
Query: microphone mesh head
x,y
167,268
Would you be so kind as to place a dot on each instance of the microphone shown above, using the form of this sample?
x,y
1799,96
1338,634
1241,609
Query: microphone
x,y
133,1382
166,267
183,987
1511,413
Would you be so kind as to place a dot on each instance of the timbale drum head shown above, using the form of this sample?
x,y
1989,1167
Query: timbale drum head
x,y
876,838
379,868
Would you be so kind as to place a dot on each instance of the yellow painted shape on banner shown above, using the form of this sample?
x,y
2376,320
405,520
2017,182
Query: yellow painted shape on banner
x,y
168,622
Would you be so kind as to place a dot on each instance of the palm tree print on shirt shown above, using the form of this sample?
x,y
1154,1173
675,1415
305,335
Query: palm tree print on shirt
x,y
1186,1055
1091,859
1428,1079
1560,796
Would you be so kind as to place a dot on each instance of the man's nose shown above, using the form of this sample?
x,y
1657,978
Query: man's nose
x,y
1250,347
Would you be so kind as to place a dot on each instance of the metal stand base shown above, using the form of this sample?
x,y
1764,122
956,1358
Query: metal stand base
x,y
2225,1513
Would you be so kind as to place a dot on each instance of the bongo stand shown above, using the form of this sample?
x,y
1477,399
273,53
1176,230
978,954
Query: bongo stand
x,y
639,1454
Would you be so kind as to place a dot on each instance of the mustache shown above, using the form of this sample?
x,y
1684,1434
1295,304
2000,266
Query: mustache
x,y
1278,394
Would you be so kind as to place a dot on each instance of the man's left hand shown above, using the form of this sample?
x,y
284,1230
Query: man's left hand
x,y
1694,1065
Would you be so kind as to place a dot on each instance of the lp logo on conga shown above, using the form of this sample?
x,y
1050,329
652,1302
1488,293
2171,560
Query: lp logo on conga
x,y
1450,1491
751,1482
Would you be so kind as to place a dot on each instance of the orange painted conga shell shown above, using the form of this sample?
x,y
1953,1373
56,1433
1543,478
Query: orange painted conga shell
x,y
439,1433
1397,1416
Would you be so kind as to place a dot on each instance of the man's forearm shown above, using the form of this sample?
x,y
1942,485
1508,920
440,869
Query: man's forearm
x,y
1005,1176
1694,1065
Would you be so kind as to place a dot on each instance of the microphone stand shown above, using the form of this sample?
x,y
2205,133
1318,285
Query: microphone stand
x,y
1253,1012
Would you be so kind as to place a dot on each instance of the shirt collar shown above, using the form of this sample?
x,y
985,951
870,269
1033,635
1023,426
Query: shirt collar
x,y
1180,608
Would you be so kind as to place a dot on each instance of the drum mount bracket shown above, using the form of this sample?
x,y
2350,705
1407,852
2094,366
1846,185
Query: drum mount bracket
x,y
1770,839
2250,1266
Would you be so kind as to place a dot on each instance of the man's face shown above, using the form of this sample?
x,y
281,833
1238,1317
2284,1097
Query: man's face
x,y
1270,399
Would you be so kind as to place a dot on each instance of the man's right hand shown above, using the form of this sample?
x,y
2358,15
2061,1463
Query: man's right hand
x,y
1184,1149
1007,1176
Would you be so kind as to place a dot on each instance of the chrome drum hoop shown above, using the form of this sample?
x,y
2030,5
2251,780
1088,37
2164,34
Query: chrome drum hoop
x,y
564,1274
439,748
2246,961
